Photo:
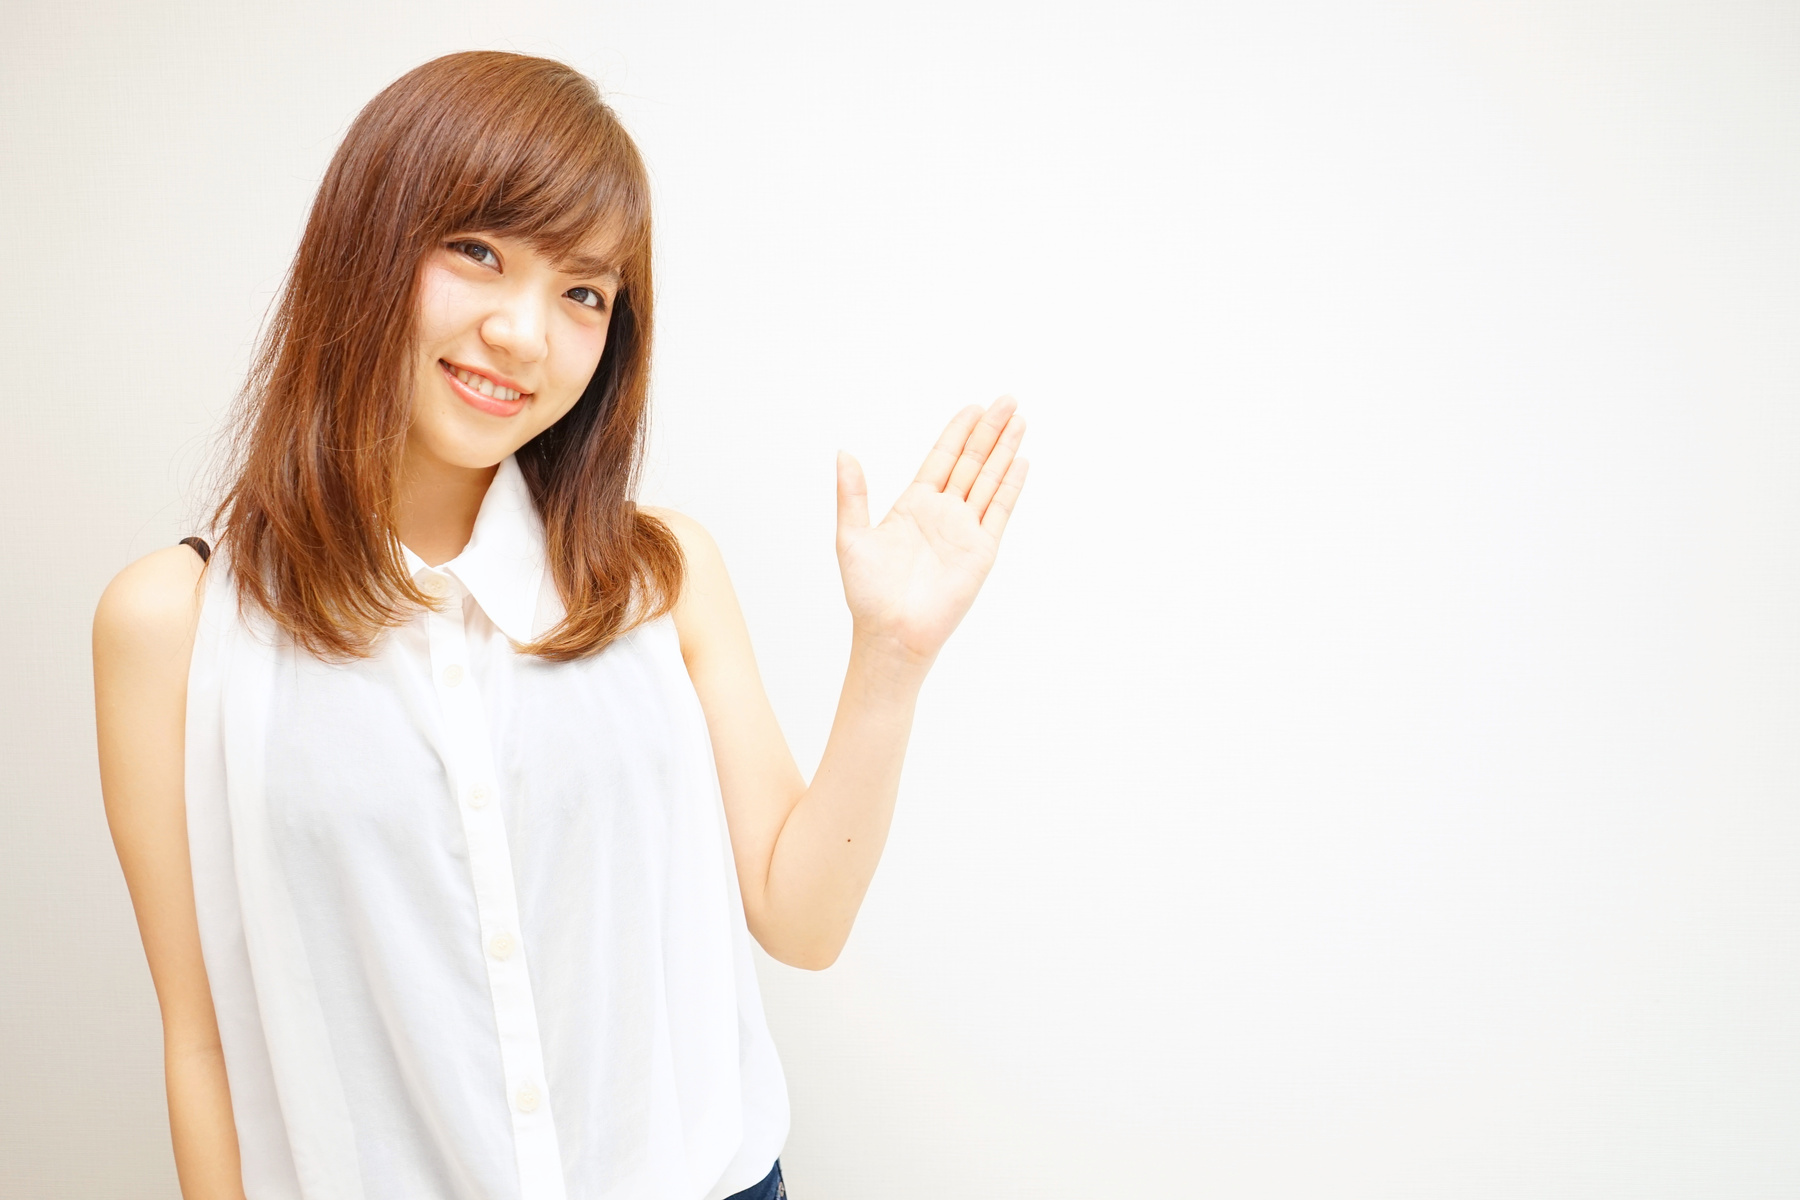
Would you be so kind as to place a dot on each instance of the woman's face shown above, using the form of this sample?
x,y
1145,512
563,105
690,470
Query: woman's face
x,y
508,339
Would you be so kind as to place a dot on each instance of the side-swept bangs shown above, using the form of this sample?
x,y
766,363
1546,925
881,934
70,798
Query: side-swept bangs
x,y
475,142
522,147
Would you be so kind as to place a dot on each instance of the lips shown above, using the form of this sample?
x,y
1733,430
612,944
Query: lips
x,y
482,392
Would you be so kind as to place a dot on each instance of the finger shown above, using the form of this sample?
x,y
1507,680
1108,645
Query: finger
x,y
852,494
1000,511
980,443
993,471
936,469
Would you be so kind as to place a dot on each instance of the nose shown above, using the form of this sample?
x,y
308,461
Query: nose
x,y
516,327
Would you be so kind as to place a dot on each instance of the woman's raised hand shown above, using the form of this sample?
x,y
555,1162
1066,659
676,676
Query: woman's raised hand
x,y
910,579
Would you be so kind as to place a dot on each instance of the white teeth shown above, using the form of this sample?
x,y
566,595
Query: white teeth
x,y
484,385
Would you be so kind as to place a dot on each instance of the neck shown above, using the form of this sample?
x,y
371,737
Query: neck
x,y
435,513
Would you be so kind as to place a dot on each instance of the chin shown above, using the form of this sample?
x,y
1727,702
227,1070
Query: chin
x,y
455,444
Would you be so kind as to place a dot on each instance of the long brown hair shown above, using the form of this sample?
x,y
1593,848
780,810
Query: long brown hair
x,y
479,141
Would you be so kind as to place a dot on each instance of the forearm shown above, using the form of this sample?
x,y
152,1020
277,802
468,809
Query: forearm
x,y
201,1124
805,853
832,840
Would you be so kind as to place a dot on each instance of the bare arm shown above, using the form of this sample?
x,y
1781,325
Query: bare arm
x,y
805,853
143,639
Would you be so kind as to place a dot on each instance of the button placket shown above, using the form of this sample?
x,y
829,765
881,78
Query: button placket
x,y
470,751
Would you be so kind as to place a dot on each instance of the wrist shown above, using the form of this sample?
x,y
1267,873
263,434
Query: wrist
x,y
887,659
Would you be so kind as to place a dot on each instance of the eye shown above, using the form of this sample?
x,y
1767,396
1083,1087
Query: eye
x,y
481,252
587,296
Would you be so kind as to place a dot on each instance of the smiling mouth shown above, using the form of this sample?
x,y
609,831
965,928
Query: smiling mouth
x,y
481,384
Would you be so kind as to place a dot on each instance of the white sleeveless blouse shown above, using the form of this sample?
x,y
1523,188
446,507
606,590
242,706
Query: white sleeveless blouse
x,y
470,918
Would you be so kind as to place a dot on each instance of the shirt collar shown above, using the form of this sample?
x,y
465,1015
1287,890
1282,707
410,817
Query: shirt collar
x,y
503,564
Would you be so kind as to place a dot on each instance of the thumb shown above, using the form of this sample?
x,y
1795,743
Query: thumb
x,y
852,494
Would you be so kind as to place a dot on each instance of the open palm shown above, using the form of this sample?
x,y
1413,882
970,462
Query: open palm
x,y
910,579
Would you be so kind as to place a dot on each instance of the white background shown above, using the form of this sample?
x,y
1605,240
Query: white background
x,y
1373,767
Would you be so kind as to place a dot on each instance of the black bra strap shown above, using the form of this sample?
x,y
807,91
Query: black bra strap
x,y
200,547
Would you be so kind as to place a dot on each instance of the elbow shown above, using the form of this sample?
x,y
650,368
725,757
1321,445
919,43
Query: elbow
x,y
808,954
191,1035
809,960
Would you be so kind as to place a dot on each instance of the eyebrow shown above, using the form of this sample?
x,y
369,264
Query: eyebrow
x,y
591,266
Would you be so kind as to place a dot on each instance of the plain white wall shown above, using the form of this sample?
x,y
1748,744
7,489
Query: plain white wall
x,y
1373,767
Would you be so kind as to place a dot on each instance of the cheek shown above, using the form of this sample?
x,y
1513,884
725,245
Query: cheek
x,y
443,305
576,357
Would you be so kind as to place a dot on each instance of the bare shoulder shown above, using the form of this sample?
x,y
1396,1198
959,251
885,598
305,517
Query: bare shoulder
x,y
705,564
148,613
707,607
689,532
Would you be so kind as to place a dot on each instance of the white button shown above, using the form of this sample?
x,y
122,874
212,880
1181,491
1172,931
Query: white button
x,y
435,586
479,795
526,1099
501,945
452,675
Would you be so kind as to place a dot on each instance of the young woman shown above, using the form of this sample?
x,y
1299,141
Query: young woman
x,y
446,790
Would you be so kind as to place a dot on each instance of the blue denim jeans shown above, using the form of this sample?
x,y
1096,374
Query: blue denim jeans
x,y
771,1188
